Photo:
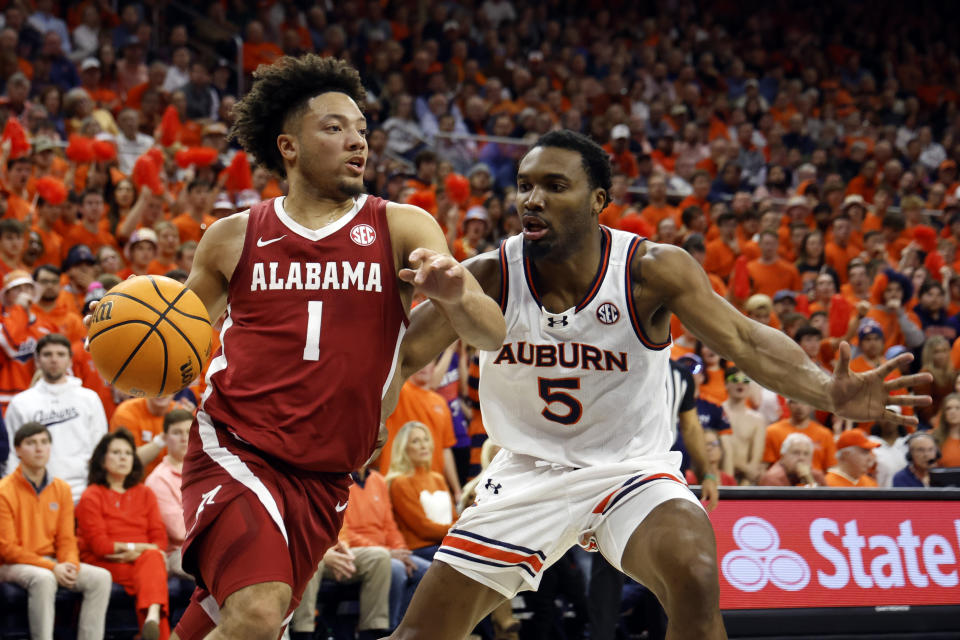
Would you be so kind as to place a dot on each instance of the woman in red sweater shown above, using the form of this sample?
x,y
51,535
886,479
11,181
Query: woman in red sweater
x,y
422,502
119,528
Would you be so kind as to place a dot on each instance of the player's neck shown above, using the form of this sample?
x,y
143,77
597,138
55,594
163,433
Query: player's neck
x,y
313,209
569,274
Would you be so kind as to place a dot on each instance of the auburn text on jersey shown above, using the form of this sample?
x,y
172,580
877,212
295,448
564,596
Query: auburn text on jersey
x,y
571,355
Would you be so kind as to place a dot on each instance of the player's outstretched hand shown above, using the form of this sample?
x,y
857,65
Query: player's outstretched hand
x,y
866,396
435,275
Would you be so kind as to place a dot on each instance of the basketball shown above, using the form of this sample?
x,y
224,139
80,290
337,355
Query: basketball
x,y
150,336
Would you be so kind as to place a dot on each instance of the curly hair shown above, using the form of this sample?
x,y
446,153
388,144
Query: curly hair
x,y
280,92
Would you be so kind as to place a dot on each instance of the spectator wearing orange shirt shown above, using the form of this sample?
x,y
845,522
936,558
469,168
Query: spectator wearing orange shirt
x,y
770,273
417,403
899,326
824,455
854,458
80,269
947,431
621,158
476,226
422,503
658,209
193,223
168,241
54,308
256,50
794,468
47,216
700,181
619,203
143,418
839,249
18,199
140,253
664,154
724,251
89,231
38,547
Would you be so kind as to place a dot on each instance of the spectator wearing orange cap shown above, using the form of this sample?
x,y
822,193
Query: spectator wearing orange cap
x,y
854,458
800,421
770,273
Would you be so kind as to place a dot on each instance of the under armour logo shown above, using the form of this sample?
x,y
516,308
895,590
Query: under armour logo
x,y
760,560
552,322
493,487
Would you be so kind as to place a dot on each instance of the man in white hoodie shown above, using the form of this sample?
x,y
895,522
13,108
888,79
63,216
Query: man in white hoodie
x,y
73,414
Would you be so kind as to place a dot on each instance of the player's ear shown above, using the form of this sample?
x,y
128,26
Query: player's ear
x,y
598,200
287,144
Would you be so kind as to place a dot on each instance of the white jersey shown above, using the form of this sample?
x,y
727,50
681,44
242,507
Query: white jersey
x,y
581,387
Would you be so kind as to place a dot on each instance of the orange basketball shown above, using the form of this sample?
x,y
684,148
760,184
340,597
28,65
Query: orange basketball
x,y
150,336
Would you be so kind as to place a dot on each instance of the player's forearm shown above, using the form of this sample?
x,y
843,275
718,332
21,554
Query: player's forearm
x,y
694,442
776,362
477,319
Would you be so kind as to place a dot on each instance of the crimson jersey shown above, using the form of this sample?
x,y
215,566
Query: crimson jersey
x,y
310,342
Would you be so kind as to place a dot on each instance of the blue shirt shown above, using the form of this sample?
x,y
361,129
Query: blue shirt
x,y
905,478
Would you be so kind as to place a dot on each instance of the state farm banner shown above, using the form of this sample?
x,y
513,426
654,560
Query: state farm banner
x,y
777,554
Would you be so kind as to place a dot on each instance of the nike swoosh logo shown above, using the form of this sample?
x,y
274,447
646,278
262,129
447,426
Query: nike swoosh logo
x,y
341,507
262,243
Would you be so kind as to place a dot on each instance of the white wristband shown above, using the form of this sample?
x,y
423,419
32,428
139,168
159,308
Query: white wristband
x,y
131,546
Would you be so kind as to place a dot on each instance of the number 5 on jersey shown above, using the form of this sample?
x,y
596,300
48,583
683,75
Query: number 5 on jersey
x,y
575,409
311,350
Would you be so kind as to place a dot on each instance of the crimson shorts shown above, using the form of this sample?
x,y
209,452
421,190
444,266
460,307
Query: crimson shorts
x,y
251,519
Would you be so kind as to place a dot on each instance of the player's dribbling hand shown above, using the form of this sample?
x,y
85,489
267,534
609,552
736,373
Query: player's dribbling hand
x,y
436,275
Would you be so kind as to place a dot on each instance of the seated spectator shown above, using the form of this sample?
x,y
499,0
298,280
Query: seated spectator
x,y
744,455
947,432
715,459
74,414
922,455
892,453
57,309
418,403
143,418
854,458
368,525
794,468
370,566
799,421
38,547
164,481
935,359
120,529
422,503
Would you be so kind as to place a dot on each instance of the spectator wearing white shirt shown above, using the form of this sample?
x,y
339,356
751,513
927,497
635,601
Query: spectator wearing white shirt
x,y
86,35
131,144
73,414
178,74
892,452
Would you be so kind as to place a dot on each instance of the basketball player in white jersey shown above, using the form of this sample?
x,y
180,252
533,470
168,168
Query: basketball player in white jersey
x,y
576,397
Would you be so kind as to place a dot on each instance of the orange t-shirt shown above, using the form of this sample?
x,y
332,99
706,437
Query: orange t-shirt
x,y
950,452
190,229
824,448
654,215
135,416
65,317
19,208
770,278
80,235
612,213
714,389
52,247
428,407
256,54
835,479
838,257
406,495
892,334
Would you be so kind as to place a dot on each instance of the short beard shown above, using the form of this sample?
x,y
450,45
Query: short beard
x,y
350,189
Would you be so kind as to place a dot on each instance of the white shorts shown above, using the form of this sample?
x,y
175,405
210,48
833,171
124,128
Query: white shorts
x,y
529,512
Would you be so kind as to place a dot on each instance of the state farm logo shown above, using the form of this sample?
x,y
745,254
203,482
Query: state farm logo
x,y
760,559
363,235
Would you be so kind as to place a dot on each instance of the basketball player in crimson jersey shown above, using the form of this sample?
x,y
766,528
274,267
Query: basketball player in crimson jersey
x,y
576,396
316,287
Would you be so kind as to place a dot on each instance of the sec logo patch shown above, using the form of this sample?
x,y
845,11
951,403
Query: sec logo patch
x,y
608,313
363,235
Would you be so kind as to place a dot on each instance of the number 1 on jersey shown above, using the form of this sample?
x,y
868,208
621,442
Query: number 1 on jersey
x,y
311,350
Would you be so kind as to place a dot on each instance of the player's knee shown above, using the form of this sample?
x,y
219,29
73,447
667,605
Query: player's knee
x,y
256,612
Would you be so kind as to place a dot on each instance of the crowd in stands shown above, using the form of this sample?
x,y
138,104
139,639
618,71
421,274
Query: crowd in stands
x,y
806,155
